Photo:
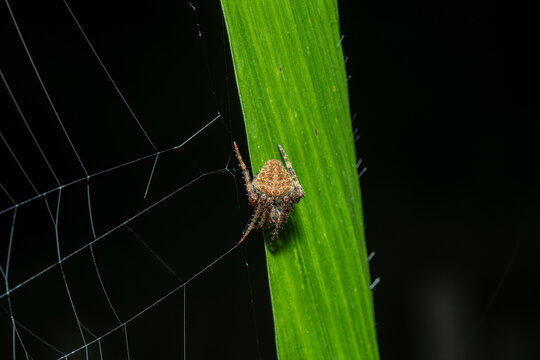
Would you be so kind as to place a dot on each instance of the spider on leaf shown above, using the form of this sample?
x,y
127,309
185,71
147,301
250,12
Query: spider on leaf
x,y
273,193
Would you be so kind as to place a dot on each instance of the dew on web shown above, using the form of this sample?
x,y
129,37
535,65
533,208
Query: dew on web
x,y
113,189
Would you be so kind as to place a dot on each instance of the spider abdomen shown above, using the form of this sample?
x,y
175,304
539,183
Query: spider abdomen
x,y
273,180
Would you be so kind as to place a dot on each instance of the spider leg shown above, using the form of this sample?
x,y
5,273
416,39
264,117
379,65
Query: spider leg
x,y
282,220
293,175
247,179
256,216
265,204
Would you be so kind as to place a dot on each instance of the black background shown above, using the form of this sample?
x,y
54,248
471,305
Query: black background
x,y
443,95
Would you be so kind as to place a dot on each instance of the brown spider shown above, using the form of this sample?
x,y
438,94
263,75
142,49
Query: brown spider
x,y
273,193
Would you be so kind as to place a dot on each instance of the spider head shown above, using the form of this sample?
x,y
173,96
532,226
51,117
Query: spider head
x,y
275,214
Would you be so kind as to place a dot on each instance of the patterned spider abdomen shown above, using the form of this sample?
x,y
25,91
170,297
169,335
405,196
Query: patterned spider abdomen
x,y
274,180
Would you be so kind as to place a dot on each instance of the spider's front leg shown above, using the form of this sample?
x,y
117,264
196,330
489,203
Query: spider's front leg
x,y
297,185
256,216
247,179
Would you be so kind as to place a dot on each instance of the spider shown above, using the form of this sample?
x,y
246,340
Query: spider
x,y
273,193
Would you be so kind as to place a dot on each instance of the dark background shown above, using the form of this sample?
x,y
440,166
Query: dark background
x,y
443,95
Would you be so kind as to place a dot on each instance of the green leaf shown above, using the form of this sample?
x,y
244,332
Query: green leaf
x,y
292,82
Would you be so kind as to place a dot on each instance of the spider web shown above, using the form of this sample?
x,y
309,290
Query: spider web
x,y
119,192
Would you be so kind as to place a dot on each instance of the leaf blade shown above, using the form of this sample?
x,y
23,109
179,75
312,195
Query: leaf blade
x,y
292,82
